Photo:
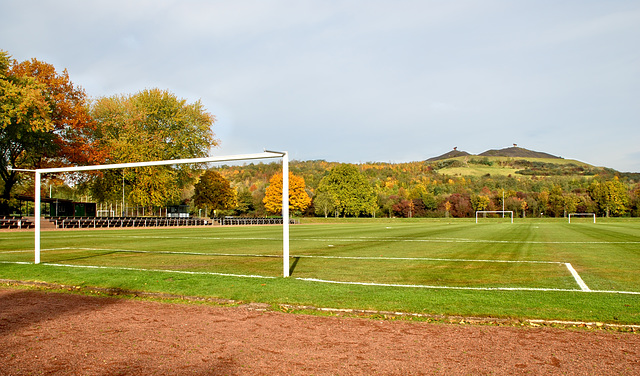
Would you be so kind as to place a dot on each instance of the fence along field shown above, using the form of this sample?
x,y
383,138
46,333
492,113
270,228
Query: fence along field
x,y
538,256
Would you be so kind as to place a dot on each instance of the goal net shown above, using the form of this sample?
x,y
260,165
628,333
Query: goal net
x,y
587,215
503,212
243,157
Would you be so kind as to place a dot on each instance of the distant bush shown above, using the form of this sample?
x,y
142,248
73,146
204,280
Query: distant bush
x,y
482,161
553,169
448,163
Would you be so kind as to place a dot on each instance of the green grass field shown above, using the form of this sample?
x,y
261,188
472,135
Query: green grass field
x,y
533,268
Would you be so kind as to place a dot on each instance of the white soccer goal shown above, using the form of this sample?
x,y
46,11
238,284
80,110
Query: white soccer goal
x,y
583,215
494,212
242,157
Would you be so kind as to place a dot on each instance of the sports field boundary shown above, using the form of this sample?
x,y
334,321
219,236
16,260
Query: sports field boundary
x,y
302,309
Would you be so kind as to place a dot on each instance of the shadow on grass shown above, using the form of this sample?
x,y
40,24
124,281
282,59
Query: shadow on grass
x,y
293,266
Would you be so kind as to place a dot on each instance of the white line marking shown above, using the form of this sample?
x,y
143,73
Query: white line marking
x,y
359,239
310,256
436,287
426,259
464,287
159,270
328,281
577,277
162,252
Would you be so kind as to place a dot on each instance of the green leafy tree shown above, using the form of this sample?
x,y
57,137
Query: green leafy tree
x,y
214,192
150,125
245,202
429,201
557,201
324,203
353,194
611,196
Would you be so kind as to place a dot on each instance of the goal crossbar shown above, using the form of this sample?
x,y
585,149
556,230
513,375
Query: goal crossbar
x,y
494,212
267,154
583,215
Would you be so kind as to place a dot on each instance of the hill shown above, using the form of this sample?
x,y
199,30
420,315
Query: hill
x,y
452,154
511,152
516,152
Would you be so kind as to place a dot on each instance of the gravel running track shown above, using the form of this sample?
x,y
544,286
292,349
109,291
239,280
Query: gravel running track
x,y
49,333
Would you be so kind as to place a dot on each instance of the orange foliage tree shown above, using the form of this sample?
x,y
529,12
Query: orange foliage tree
x,y
73,126
44,121
299,200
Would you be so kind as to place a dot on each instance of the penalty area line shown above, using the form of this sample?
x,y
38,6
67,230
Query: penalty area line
x,y
466,287
437,287
576,276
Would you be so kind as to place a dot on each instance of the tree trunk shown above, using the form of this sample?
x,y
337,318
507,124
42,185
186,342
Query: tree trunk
x,y
5,208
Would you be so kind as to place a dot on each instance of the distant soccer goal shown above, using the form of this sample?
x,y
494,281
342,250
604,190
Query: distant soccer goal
x,y
583,215
494,212
265,155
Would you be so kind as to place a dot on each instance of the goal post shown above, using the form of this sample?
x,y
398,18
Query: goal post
x,y
583,215
240,157
494,212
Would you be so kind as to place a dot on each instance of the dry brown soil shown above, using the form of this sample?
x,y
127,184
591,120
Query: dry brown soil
x,y
44,332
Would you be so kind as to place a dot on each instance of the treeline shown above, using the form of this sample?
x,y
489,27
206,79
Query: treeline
x,y
421,189
48,121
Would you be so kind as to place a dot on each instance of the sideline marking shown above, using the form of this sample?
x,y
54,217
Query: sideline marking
x,y
334,282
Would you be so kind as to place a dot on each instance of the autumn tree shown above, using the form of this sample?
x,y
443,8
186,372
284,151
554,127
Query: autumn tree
x,y
460,205
352,192
150,125
75,129
480,202
299,200
524,206
44,121
447,208
214,192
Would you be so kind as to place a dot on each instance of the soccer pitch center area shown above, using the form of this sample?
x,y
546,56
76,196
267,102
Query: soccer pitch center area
x,y
534,255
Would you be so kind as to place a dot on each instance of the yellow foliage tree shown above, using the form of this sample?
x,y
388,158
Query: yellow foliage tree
x,y
299,200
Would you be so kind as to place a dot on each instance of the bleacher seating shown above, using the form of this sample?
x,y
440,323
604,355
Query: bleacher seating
x,y
123,222
235,221
13,223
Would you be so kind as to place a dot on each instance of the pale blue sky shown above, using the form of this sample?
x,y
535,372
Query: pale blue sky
x,y
357,81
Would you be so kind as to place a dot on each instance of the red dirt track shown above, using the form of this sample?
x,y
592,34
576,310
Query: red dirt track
x,y
59,333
